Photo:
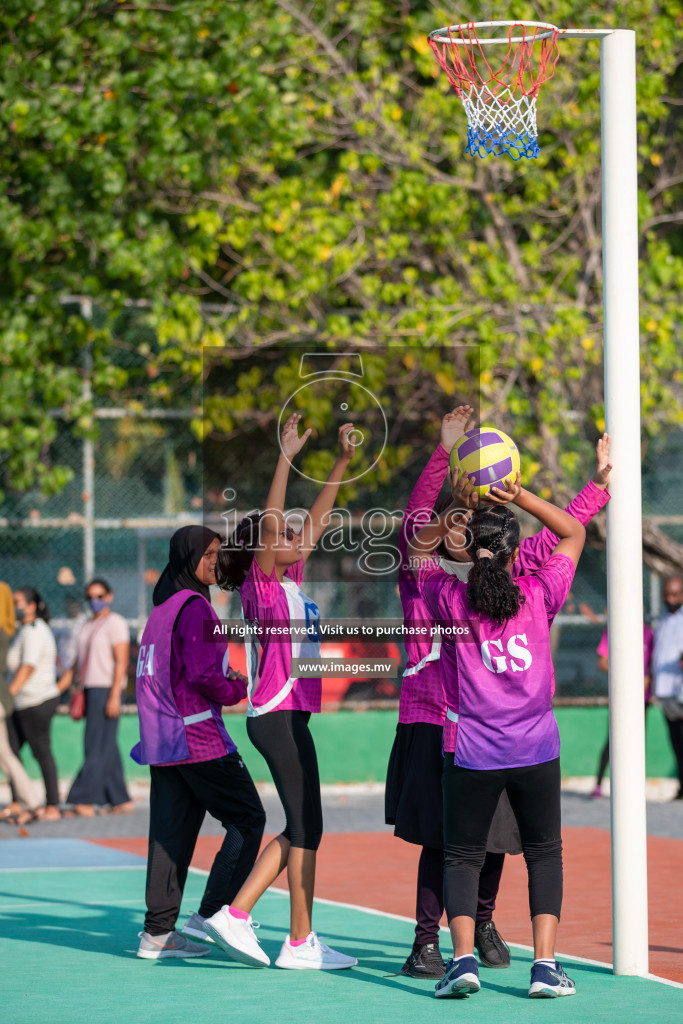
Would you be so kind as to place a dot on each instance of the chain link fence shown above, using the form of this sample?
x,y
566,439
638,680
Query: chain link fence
x,y
142,478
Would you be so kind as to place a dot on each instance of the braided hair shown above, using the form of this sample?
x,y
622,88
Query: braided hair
x,y
235,558
493,538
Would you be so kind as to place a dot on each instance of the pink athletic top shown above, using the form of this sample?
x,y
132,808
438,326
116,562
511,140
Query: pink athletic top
x,y
422,697
648,644
535,551
264,601
505,681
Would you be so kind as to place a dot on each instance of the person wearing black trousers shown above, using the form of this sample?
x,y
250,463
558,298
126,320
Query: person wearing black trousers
x,y
32,662
182,681
102,669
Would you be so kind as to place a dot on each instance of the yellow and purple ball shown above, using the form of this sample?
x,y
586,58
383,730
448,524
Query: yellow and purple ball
x,y
487,455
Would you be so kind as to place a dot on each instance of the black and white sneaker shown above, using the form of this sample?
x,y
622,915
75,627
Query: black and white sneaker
x,y
425,962
550,982
489,944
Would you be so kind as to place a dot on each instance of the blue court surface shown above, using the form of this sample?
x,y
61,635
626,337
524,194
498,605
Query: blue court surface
x,y
71,910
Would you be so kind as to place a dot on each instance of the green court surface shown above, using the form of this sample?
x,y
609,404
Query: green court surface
x,y
69,918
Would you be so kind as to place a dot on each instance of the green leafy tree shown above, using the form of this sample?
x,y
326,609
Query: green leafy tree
x,y
254,174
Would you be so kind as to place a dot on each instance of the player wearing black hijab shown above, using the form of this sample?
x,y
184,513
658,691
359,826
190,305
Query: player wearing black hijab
x,y
182,681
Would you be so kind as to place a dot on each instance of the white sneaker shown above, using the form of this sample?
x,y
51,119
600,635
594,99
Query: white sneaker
x,y
312,955
236,936
194,927
172,945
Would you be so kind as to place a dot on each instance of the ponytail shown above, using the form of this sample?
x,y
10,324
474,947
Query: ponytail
x,y
235,558
493,538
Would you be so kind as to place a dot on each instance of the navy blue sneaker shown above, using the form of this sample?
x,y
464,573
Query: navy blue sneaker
x,y
461,978
550,982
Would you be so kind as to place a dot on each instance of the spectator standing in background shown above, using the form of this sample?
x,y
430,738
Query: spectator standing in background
x,y
667,668
648,641
32,660
102,669
570,607
67,635
7,627
10,764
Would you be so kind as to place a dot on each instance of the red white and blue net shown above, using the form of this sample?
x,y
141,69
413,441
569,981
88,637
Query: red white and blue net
x,y
500,105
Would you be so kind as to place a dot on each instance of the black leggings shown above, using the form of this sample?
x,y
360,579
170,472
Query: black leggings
x,y
430,888
180,795
675,728
470,800
32,726
284,740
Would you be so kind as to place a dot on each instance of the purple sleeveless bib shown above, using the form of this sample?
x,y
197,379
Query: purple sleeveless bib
x,y
162,730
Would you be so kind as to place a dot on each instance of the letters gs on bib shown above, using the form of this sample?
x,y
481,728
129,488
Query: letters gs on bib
x,y
516,657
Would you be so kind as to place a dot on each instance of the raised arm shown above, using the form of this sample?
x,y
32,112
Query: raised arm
x,y
571,534
272,521
427,540
319,516
430,481
535,551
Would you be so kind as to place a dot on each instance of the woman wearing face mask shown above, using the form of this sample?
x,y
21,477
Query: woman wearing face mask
x,y
32,660
101,666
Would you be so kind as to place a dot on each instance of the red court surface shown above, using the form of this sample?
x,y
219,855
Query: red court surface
x,y
376,870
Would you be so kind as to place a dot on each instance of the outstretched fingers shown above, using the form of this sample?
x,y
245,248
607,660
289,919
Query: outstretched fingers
x,y
454,425
347,443
500,496
604,466
290,442
464,492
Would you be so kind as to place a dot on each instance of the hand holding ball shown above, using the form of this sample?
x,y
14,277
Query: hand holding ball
x,y
487,456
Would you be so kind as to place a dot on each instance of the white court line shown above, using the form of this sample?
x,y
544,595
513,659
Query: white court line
x,y
410,920
72,903
600,963
284,892
80,867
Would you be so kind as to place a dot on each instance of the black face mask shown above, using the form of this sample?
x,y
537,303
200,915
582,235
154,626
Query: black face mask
x,y
673,606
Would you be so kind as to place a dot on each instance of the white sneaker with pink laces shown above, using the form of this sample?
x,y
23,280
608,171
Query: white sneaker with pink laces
x,y
312,955
235,935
